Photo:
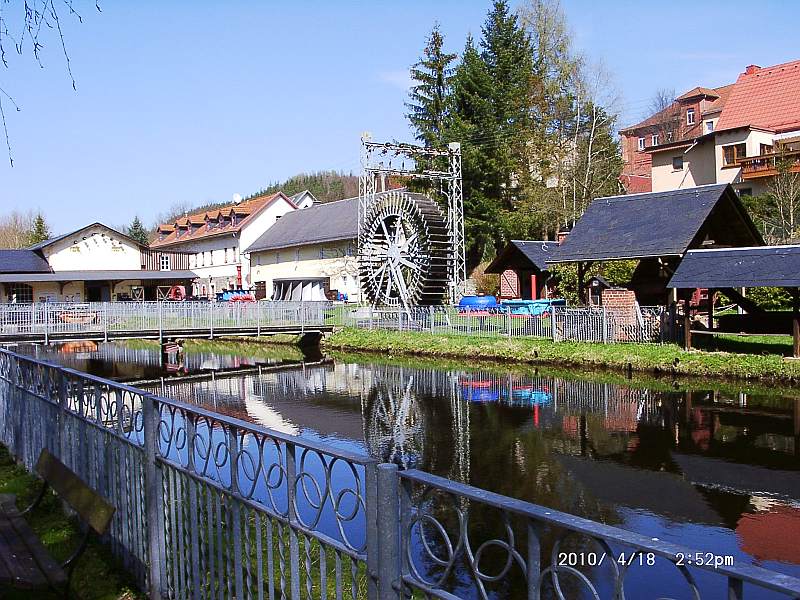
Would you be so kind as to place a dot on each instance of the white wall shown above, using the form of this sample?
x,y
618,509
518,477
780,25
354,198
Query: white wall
x,y
342,271
256,227
96,249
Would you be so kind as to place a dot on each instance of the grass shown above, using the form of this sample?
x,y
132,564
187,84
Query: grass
x,y
97,574
745,344
649,358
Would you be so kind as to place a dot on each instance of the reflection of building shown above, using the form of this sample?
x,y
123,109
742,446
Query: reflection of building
x,y
93,264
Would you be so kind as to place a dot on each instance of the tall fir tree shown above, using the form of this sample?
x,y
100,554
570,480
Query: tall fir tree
x,y
429,96
39,230
138,232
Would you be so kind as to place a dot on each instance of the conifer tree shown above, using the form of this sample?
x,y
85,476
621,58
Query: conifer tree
x,y
39,230
429,96
138,232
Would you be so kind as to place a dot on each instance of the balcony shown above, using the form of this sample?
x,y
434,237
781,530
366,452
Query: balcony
x,y
765,165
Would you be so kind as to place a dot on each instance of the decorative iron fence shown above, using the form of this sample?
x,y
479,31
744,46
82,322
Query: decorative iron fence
x,y
209,506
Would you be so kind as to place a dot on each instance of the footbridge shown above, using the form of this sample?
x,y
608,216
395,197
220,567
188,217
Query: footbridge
x,y
102,321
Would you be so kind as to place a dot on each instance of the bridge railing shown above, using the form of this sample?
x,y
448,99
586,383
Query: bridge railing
x,y
212,506
51,318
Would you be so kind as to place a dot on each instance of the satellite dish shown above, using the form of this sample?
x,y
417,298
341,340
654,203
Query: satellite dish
x,y
237,198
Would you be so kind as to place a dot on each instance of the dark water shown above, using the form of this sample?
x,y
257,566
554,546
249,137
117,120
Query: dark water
x,y
140,360
716,468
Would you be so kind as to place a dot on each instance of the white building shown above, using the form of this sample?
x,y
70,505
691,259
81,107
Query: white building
x,y
309,254
94,263
215,238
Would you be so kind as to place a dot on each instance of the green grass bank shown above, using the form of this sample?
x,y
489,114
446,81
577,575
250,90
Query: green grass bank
x,y
646,358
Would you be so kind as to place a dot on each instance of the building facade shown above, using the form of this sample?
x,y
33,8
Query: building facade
x,y
309,254
746,134
214,239
93,264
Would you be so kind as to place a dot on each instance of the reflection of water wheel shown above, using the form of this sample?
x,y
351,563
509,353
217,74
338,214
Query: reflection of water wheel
x,y
406,251
394,426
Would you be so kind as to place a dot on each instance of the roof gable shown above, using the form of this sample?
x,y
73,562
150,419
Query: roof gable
x,y
767,98
49,242
658,224
519,253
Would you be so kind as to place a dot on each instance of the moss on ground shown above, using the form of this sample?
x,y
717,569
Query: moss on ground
x,y
649,358
97,573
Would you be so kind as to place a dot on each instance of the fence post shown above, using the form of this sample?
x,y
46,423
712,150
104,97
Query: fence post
x,y
508,321
388,531
211,319
553,313
258,318
105,321
160,324
433,317
605,326
154,503
46,324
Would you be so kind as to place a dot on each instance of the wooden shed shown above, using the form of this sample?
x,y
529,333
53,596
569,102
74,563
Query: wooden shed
x,y
523,270
656,229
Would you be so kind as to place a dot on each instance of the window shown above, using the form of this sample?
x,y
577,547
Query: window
x,y
745,192
226,256
733,153
765,149
211,258
165,262
277,257
654,139
669,136
236,254
20,293
202,256
641,143
709,126
297,254
677,163
690,116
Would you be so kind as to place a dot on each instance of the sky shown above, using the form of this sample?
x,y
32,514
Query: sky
x,y
193,101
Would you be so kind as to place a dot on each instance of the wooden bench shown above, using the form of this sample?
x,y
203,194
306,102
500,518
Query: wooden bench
x,y
24,561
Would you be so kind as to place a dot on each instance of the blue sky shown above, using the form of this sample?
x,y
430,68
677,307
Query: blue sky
x,y
195,101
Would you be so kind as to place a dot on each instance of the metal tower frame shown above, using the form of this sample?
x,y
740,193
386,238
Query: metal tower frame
x,y
380,160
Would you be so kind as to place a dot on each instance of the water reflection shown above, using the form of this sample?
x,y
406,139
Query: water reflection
x,y
140,360
699,467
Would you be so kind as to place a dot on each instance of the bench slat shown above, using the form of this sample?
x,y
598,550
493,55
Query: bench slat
x,y
90,506
25,561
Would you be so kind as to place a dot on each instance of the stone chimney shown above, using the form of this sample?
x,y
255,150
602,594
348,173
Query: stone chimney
x,y
750,69
562,235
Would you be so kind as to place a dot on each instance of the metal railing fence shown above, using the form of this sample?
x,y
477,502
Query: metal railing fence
x,y
209,506
52,318
584,324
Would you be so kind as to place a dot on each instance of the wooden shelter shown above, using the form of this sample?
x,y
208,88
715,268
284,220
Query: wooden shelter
x,y
731,269
523,270
657,229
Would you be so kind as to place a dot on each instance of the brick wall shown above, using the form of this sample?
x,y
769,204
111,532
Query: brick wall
x,y
621,305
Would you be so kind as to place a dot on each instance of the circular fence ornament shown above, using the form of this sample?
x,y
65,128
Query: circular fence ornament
x,y
406,251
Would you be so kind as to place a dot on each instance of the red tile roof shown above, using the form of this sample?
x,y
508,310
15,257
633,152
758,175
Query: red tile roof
x,y
722,94
246,211
767,98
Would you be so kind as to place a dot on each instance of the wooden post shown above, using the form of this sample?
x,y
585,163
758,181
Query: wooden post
x,y
711,309
581,273
796,322
687,321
